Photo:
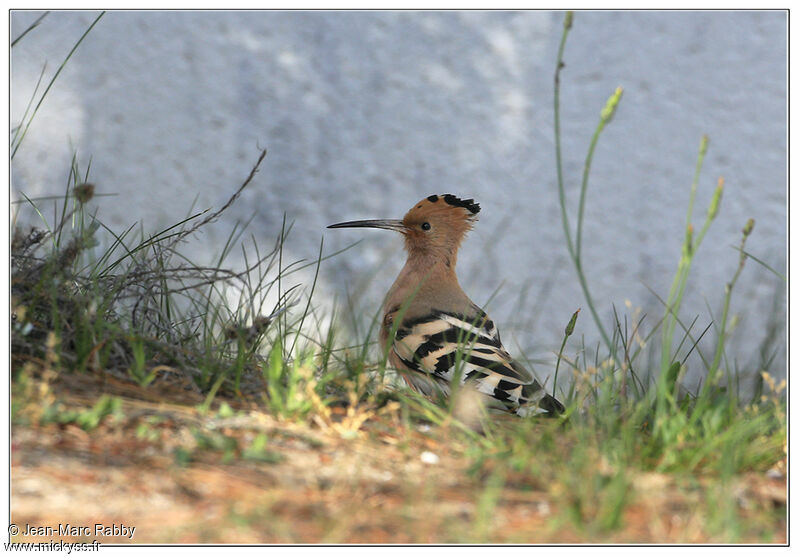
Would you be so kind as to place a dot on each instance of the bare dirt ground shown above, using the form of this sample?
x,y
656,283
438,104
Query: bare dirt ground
x,y
180,476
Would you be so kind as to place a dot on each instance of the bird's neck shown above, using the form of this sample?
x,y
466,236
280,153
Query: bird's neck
x,y
434,267
425,278
428,257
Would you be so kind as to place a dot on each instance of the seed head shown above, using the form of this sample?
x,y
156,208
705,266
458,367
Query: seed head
x,y
83,193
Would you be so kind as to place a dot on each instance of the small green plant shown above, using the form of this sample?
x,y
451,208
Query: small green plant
x,y
217,442
148,428
138,369
259,452
289,383
85,419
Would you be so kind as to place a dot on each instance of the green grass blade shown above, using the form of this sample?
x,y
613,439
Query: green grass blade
x,y
53,80
30,28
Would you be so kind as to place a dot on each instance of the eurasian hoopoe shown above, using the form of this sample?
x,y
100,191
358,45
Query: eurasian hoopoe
x,y
441,333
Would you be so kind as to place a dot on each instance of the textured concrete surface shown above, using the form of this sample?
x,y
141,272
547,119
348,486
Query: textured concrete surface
x,y
365,113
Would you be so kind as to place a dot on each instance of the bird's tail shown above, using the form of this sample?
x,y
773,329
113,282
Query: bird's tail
x,y
550,405
547,405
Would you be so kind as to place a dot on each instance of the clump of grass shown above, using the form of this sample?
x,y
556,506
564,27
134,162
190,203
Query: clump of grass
x,y
623,348
141,310
133,305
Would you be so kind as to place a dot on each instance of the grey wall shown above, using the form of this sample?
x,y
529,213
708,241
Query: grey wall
x,y
365,113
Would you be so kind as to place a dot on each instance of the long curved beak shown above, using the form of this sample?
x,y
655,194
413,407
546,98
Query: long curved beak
x,y
396,225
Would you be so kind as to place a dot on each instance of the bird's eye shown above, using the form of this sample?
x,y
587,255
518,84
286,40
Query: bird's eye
x,y
426,226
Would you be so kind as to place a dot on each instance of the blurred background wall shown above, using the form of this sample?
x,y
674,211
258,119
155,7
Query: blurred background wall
x,y
363,114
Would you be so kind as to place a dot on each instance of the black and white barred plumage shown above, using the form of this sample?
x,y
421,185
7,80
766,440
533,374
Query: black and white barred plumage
x,y
442,345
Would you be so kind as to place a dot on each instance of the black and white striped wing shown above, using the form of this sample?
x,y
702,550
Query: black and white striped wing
x,y
442,345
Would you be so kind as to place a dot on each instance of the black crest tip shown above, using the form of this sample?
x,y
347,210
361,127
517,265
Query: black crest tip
x,y
468,204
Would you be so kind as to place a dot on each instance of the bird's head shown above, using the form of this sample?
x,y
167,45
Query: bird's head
x,y
433,227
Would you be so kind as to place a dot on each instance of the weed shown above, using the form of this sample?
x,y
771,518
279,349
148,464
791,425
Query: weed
x,y
259,452
86,419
